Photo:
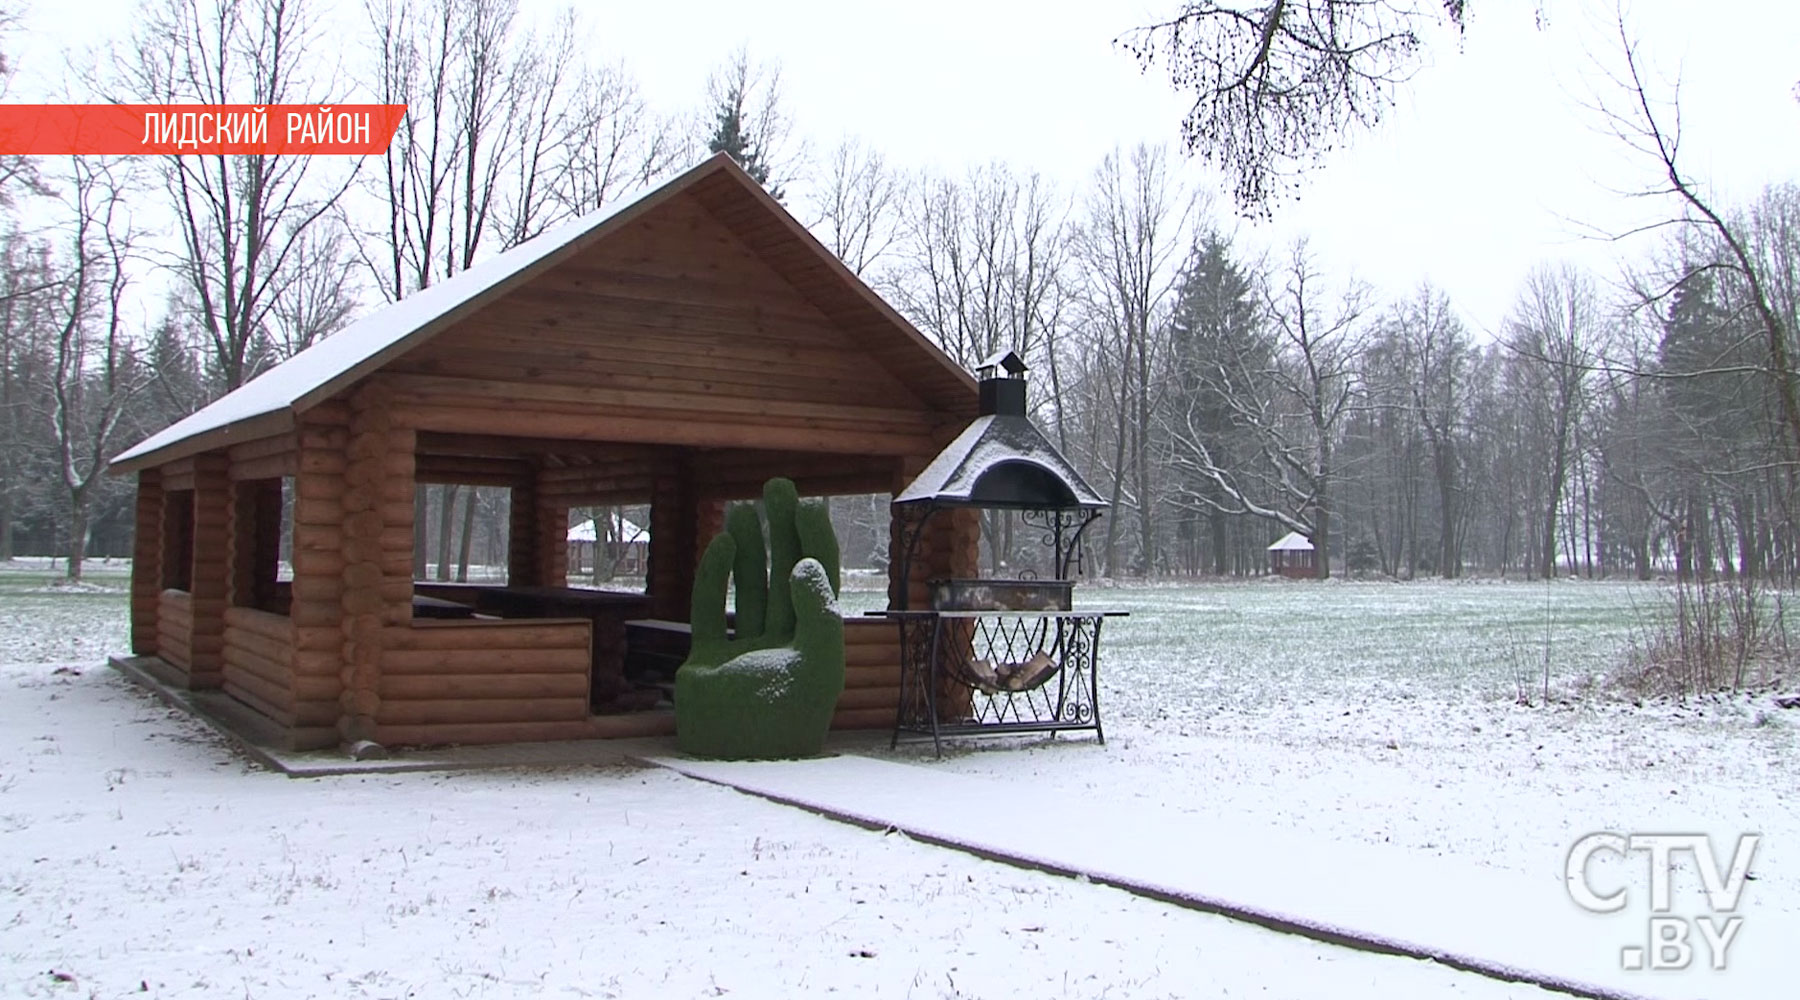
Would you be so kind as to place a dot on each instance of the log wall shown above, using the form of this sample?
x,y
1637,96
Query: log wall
x,y
871,695
174,625
484,681
265,458
211,580
950,548
146,562
671,331
259,672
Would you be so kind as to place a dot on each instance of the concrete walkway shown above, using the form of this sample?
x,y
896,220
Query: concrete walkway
x,y
1492,922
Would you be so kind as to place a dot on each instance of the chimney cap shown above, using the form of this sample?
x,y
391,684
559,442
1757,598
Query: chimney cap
x,y
1009,360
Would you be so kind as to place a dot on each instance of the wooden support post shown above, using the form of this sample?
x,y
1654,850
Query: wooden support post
x,y
318,558
211,573
146,562
551,544
523,537
675,543
377,553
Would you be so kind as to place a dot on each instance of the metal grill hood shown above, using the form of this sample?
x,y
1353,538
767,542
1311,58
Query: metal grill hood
x,y
1002,459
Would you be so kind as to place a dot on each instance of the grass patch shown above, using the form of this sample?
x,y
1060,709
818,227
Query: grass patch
x,y
42,621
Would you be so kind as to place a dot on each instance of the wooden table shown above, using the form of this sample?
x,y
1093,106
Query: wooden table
x,y
433,607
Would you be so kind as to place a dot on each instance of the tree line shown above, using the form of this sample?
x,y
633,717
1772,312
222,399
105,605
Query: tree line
x,y
1222,397
1630,424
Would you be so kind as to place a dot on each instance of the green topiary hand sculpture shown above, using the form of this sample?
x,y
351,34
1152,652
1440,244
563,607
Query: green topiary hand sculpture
x,y
768,692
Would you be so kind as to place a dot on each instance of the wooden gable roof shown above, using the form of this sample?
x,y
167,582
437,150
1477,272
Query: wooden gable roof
x,y
782,247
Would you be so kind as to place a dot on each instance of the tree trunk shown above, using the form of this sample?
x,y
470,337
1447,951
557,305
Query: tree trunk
x,y
1322,509
421,533
78,527
1547,550
1216,520
6,526
446,525
1449,516
468,537
1118,479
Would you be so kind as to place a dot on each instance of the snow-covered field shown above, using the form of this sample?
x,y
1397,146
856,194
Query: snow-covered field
x,y
141,858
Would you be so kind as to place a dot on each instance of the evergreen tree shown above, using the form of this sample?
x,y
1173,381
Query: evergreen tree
x,y
1217,342
746,118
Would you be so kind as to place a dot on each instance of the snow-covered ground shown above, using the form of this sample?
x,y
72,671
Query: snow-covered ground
x,y
139,852
1389,713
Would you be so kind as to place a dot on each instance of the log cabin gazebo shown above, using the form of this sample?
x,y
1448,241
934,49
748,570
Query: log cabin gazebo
x,y
676,349
1292,556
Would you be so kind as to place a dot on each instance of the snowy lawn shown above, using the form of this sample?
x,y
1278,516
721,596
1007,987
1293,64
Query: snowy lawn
x,y
43,620
1387,713
141,858
139,851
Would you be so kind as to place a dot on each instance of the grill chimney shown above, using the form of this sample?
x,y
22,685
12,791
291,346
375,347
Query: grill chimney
x,y
1002,394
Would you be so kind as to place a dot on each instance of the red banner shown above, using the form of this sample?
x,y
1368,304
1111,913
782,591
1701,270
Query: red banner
x,y
198,129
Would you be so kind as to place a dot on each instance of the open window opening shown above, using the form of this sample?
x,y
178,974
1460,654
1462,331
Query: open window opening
x,y
178,540
461,534
609,547
262,515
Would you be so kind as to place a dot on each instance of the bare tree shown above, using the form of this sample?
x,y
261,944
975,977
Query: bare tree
x,y
1652,129
1295,408
18,174
507,133
978,261
26,276
614,142
1438,348
1279,83
980,268
1130,243
447,61
857,205
95,372
1552,332
316,295
241,220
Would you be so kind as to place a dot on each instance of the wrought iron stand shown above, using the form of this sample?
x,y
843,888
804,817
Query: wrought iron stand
x,y
965,673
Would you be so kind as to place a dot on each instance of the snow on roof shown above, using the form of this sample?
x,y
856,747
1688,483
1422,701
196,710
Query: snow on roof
x,y
1293,541
367,343
986,444
624,529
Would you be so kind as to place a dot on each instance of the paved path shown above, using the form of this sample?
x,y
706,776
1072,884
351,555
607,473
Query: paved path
x,y
1492,922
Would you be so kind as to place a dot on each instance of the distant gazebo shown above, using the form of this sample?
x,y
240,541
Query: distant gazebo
x,y
626,544
1292,556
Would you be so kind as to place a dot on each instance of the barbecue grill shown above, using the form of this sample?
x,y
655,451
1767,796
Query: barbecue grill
x,y
997,656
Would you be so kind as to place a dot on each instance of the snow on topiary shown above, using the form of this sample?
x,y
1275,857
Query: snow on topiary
x,y
769,691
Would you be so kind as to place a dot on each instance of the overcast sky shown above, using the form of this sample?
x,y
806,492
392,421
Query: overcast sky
x,y
1490,165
